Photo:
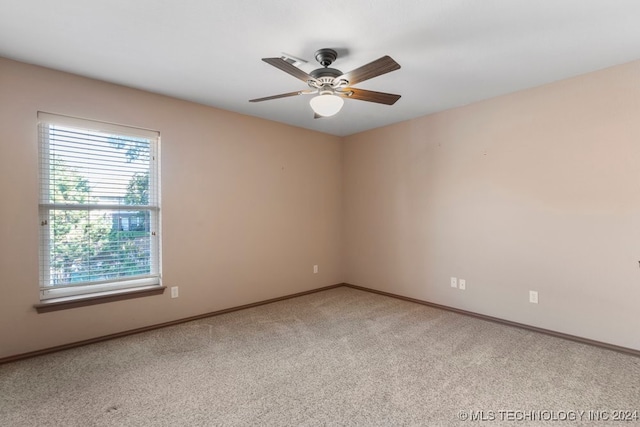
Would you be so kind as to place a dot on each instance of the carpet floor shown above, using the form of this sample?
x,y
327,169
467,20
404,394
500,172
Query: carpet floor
x,y
336,357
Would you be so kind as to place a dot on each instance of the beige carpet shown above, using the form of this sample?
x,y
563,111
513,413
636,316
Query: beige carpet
x,y
337,357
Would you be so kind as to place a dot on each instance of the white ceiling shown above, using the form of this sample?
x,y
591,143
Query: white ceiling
x,y
452,52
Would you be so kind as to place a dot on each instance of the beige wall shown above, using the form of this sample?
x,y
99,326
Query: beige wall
x,y
537,190
249,206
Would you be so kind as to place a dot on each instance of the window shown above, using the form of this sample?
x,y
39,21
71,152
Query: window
x,y
99,207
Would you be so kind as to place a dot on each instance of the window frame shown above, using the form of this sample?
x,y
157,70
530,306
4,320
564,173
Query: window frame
x,y
95,291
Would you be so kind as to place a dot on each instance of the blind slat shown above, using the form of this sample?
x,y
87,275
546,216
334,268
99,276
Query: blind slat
x,y
98,207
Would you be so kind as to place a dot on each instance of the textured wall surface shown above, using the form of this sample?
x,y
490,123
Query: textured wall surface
x,y
537,190
248,207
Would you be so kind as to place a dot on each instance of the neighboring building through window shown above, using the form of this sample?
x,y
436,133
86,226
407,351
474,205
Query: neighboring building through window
x,y
99,207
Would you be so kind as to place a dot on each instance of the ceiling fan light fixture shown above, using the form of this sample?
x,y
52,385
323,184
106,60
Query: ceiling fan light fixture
x,y
331,84
326,105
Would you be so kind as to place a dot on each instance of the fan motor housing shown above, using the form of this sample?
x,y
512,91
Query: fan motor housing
x,y
325,72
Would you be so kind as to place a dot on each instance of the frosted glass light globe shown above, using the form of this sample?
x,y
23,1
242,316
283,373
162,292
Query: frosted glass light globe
x,y
326,105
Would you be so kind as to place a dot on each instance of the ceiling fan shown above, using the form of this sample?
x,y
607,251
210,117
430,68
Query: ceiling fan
x,y
332,85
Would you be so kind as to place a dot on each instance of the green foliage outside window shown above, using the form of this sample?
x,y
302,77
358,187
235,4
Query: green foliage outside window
x,y
93,245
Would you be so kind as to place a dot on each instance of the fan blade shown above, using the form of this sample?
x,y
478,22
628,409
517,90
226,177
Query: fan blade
x,y
372,96
282,95
373,69
288,68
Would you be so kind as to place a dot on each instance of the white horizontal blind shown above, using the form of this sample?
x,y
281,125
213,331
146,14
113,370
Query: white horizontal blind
x,y
99,206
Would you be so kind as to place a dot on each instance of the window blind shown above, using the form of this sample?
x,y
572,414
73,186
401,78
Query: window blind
x,y
99,206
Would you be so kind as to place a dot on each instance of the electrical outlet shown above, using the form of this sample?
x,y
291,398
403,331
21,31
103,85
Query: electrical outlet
x,y
315,269
533,297
462,284
174,292
454,282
